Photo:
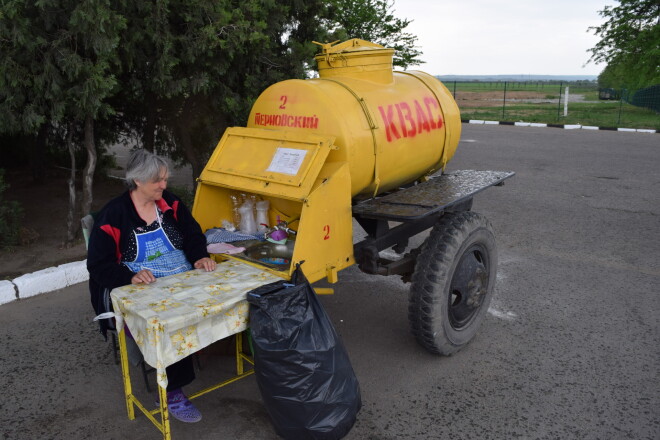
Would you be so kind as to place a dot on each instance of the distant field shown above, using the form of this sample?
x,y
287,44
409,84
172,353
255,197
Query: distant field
x,y
544,103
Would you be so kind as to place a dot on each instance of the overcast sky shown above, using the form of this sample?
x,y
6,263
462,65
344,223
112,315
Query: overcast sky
x,y
496,37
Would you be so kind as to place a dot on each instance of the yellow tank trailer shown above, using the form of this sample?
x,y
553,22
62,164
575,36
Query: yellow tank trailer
x,y
361,141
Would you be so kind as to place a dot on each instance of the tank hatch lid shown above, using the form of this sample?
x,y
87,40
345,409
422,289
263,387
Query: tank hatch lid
x,y
276,162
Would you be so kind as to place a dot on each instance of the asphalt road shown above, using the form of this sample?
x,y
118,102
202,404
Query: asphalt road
x,y
569,350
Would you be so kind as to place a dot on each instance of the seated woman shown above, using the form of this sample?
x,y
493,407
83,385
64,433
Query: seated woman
x,y
144,234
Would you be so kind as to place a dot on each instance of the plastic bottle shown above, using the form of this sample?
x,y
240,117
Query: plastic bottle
x,y
235,205
254,199
262,215
248,223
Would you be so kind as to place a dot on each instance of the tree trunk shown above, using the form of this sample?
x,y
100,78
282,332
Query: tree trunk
x,y
189,152
90,166
71,225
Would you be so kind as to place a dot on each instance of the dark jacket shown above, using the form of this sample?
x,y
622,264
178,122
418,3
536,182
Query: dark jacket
x,y
109,239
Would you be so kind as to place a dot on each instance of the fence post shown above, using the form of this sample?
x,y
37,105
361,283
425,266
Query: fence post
x,y
504,100
454,90
561,84
618,123
566,101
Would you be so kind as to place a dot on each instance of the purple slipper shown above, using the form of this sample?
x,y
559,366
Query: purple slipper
x,y
181,408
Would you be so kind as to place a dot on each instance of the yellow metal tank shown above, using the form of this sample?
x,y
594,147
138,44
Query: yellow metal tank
x,y
390,127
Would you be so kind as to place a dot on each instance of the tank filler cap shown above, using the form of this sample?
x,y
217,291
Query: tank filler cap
x,y
355,58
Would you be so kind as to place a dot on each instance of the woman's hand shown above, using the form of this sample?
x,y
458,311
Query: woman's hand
x,y
143,277
205,263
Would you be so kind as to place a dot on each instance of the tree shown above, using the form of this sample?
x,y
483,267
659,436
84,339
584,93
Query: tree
x,y
28,81
56,74
87,61
171,73
191,68
613,76
630,43
372,20
10,217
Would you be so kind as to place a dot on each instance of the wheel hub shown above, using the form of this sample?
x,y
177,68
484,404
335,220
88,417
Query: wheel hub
x,y
469,286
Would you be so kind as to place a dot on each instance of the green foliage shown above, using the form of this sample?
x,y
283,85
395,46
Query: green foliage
x,y
372,20
191,68
630,44
171,73
56,62
613,76
11,215
186,194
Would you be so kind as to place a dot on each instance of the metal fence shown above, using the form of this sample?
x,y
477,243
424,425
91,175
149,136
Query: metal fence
x,y
557,102
648,97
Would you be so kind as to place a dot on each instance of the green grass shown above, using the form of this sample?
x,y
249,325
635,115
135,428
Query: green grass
x,y
591,95
593,112
601,114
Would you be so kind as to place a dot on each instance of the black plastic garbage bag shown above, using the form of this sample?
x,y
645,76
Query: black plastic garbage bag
x,y
302,369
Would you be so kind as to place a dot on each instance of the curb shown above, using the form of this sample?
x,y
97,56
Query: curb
x,y
43,281
564,126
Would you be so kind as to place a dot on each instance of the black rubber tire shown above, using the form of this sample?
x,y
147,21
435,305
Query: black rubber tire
x,y
453,282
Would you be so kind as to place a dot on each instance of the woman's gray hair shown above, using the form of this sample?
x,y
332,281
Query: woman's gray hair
x,y
144,166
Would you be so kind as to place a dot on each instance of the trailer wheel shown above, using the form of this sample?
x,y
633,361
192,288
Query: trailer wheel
x,y
453,282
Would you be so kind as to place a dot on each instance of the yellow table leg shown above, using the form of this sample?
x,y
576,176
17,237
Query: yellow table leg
x,y
164,426
239,352
164,414
126,376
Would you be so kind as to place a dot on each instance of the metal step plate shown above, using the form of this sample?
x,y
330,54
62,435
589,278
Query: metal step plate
x,y
430,197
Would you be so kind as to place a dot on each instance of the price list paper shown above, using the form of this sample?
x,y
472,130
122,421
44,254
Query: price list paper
x,y
287,161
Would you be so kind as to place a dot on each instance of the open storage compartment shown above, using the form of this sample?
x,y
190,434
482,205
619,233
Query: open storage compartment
x,y
291,172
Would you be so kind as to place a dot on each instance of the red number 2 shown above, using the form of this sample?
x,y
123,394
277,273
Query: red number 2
x,y
326,229
283,98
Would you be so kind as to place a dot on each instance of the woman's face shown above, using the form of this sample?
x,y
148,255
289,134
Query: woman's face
x,y
153,190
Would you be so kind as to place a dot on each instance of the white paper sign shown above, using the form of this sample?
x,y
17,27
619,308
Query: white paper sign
x,y
287,161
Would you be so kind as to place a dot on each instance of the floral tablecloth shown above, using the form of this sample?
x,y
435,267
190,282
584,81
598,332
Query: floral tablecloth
x,y
181,314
